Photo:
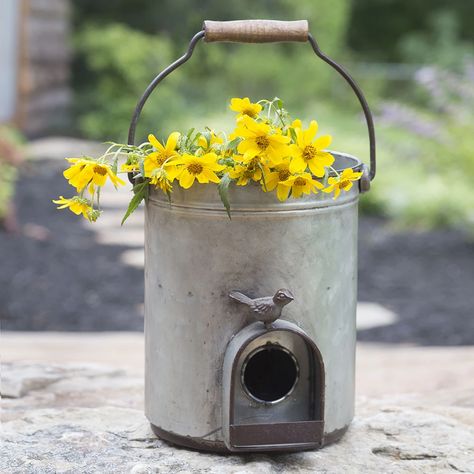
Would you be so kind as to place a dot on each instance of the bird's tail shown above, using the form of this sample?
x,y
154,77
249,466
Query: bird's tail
x,y
237,296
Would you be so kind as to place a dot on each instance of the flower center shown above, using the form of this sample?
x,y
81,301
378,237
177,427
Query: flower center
x,y
252,165
250,171
299,181
162,157
309,152
248,112
344,183
100,170
262,142
283,175
195,168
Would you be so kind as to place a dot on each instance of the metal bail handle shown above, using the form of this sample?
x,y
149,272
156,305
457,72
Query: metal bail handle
x,y
262,31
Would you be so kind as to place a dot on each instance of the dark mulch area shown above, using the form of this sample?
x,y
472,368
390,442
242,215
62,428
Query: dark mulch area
x,y
66,281
427,278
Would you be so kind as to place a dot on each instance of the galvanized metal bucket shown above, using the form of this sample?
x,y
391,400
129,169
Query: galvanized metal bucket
x,y
215,378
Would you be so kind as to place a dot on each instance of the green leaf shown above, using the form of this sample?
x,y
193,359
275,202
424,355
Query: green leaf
x,y
141,192
232,145
263,176
223,188
188,136
326,176
293,134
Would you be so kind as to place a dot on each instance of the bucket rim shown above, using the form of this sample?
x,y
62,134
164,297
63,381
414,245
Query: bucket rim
x,y
250,200
357,166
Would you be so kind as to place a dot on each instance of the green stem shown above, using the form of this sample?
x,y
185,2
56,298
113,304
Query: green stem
x,y
335,171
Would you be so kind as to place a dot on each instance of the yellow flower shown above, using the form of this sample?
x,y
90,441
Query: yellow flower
x,y
343,181
131,165
161,180
250,170
157,158
260,140
308,152
188,168
78,205
278,179
245,107
214,140
86,170
302,184
129,168
294,125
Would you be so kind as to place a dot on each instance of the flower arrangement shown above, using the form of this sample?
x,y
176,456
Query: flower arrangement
x,y
266,148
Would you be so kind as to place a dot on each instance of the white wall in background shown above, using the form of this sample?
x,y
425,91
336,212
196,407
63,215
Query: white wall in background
x,y
9,26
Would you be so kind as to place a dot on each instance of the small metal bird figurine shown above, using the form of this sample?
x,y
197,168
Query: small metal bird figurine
x,y
267,309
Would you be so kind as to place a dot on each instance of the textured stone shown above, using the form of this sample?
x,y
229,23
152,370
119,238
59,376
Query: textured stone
x,y
88,418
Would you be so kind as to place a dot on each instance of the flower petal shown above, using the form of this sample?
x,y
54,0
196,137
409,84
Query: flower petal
x,y
172,141
311,132
154,141
297,165
323,142
210,175
186,179
283,192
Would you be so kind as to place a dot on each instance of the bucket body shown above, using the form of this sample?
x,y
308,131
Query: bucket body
x,y
195,255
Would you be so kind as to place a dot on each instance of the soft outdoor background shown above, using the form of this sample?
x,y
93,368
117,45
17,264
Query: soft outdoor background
x,y
77,69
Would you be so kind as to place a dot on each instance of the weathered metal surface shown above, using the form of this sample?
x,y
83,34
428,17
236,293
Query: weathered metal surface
x,y
194,256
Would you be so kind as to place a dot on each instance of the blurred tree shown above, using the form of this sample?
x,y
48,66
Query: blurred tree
x,y
441,44
378,26
122,44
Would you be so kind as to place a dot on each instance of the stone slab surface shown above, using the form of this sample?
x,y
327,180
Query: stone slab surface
x,y
87,418
381,369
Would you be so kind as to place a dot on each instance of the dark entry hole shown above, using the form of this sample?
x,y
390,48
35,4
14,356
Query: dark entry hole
x,y
270,373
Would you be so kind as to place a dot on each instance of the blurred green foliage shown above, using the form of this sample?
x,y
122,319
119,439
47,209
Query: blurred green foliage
x,y
378,27
425,143
120,60
441,43
426,157
115,60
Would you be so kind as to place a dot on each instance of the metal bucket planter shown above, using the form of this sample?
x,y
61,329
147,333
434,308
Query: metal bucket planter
x,y
217,379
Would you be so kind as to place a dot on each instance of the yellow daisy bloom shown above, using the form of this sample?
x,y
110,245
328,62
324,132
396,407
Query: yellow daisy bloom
x,y
302,184
278,179
342,182
188,168
260,140
129,168
308,152
249,170
131,165
77,205
157,158
86,170
245,107
161,180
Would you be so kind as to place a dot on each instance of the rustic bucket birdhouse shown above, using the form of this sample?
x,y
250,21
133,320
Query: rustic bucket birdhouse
x,y
250,323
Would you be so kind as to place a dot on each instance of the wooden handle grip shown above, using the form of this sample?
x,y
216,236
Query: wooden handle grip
x,y
255,31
